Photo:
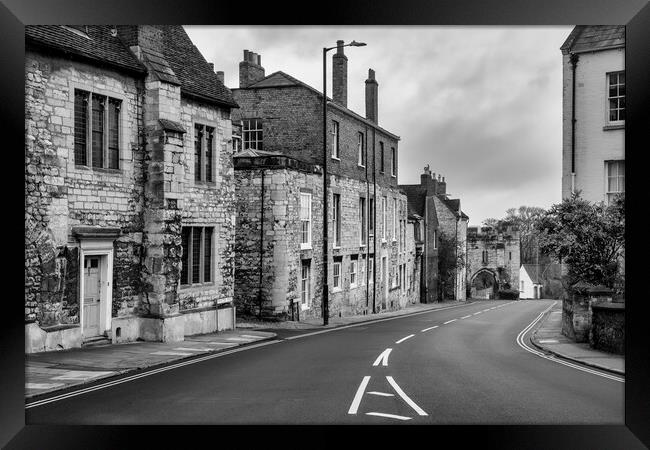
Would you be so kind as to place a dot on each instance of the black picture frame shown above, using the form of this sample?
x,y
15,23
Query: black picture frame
x,y
635,14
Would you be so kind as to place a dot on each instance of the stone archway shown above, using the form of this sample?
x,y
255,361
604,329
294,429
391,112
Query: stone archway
x,y
484,284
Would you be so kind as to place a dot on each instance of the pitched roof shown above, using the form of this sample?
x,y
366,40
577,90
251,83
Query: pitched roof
x,y
586,38
195,75
415,196
90,42
281,79
533,272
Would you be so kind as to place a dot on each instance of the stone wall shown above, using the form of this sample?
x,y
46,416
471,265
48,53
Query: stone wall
x,y
608,327
60,194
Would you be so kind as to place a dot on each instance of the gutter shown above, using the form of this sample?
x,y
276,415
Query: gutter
x,y
574,62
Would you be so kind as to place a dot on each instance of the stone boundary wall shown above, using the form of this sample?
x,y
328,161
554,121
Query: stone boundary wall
x,y
608,327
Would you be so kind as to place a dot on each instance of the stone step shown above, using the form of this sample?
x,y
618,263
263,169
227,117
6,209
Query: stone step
x,y
96,341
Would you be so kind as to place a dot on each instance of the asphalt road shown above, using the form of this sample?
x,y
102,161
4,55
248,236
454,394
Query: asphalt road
x,y
470,370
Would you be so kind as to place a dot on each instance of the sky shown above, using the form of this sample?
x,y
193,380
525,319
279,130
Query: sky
x,y
481,105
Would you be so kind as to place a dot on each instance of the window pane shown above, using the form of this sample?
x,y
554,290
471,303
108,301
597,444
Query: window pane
x,y
80,126
113,133
208,154
198,137
98,131
207,256
196,255
185,258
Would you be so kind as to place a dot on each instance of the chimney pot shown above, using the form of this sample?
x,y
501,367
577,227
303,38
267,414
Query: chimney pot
x,y
250,69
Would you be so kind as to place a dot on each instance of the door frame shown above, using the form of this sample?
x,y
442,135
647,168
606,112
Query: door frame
x,y
104,249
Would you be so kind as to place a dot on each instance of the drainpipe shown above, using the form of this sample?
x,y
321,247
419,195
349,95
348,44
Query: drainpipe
x,y
368,220
574,62
374,239
259,288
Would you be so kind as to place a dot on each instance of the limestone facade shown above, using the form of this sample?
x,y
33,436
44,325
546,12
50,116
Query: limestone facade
x,y
372,262
494,252
111,231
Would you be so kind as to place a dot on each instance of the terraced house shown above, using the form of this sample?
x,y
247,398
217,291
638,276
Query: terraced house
x,y
129,198
279,183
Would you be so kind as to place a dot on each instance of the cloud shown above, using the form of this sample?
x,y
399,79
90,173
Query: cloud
x,y
480,104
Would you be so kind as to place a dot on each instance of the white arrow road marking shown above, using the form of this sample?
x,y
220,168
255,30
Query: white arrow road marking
x,y
390,416
427,329
382,394
357,397
450,321
405,338
383,358
405,397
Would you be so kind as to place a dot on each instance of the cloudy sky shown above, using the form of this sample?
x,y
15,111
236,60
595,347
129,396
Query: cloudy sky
x,y
482,105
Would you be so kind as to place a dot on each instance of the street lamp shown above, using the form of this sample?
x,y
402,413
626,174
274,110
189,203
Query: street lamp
x,y
326,310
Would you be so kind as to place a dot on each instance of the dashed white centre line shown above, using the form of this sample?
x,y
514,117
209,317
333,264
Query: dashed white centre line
x,y
450,321
427,329
465,317
485,310
477,313
404,338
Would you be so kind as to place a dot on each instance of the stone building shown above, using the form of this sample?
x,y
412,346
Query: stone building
x,y
493,260
444,230
279,182
129,193
593,112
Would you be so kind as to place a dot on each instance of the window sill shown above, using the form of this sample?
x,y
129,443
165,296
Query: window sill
x,y
336,159
304,307
196,286
99,169
614,126
336,247
361,166
205,183
305,247
337,289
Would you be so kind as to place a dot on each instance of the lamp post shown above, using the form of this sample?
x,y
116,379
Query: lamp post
x,y
326,310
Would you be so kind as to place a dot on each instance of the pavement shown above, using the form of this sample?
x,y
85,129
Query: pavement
x,y
548,337
58,371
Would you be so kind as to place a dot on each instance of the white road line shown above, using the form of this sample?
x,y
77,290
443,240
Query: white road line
x,y
465,317
427,329
476,313
187,349
404,338
146,374
357,397
373,321
382,394
405,397
522,344
383,358
390,416
485,310
171,353
450,321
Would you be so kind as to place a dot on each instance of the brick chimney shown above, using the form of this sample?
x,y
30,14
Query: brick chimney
x,y
220,76
340,76
250,69
371,97
428,180
442,186
146,36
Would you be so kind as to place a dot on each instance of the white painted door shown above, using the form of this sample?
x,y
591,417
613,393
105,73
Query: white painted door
x,y
384,278
92,296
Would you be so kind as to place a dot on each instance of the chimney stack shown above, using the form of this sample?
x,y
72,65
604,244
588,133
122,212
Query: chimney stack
x,y
428,181
250,69
340,76
371,97
220,76
442,186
